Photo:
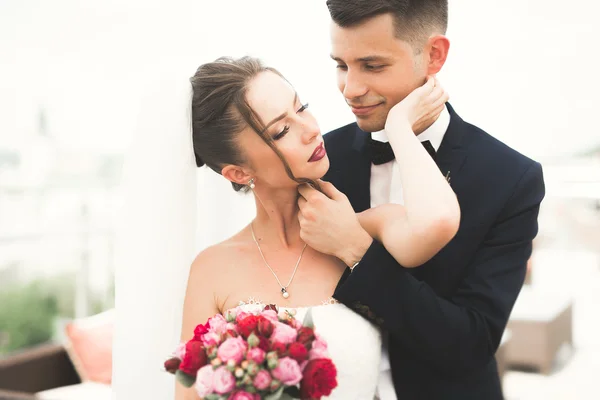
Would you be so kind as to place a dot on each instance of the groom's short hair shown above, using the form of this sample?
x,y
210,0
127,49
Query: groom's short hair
x,y
414,20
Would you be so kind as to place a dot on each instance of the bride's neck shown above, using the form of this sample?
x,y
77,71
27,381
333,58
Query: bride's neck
x,y
276,220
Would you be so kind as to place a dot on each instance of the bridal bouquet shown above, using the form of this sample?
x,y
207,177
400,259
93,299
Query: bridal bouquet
x,y
251,356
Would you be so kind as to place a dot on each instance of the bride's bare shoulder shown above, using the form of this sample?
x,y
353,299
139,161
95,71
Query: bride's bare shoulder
x,y
222,254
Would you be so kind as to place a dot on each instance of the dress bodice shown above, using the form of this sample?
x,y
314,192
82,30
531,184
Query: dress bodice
x,y
354,346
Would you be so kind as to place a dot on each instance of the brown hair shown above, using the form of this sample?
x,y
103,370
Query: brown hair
x,y
414,20
220,111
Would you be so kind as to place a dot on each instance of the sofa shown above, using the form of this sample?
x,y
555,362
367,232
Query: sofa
x,y
78,368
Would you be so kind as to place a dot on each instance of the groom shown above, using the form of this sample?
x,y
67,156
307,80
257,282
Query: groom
x,y
444,320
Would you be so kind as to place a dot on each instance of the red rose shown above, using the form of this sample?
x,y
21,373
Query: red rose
x,y
172,365
200,331
306,336
264,344
265,327
279,347
298,352
319,379
194,359
271,307
247,325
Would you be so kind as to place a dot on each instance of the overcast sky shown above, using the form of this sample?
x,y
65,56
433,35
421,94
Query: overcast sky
x,y
524,70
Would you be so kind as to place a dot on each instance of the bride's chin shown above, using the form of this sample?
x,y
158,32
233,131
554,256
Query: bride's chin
x,y
319,169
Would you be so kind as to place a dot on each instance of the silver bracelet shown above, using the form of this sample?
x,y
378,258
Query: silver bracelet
x,y
354,266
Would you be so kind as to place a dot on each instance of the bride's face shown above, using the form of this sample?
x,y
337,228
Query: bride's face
x,y
292,127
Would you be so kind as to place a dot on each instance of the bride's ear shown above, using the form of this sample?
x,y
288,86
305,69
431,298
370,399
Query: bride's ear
x,y
236,174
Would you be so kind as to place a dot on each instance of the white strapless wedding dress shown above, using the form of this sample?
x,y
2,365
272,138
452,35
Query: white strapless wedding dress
x,y
354,346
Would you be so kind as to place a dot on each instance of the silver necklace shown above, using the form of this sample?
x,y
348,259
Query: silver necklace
x,y
284,291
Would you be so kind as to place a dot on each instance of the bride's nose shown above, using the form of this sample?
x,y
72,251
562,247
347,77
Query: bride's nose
x,y
310,131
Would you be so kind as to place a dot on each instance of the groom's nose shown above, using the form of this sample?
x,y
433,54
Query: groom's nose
x,y
354,86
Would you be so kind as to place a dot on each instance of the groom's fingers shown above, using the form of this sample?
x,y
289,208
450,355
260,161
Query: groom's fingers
x,y
330,190
301,203
307,191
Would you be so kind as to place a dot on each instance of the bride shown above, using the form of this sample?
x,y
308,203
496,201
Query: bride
x,y
250,126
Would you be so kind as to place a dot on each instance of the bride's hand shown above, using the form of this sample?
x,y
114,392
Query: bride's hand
x,y
420,108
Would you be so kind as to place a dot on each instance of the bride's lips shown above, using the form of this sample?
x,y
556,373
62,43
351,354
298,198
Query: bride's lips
x,y
318,154
364,110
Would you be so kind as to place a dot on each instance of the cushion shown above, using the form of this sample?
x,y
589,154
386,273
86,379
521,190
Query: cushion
x,y
89,346
82,391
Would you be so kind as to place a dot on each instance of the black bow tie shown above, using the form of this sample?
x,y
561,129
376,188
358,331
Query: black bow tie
x,y
381,152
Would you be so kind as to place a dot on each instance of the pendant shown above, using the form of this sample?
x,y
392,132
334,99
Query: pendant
x,y
284,293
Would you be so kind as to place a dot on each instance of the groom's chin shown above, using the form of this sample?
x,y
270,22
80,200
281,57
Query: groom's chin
x,y
371,124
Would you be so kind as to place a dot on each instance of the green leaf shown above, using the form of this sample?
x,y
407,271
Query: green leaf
x,y
185,379
276,395
308,319
292,391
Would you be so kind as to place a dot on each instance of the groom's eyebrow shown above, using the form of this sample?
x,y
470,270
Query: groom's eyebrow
x,y
282,116
363,59
372,58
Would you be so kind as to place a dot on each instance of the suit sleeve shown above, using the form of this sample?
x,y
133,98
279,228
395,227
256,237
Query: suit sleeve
x,y
462,332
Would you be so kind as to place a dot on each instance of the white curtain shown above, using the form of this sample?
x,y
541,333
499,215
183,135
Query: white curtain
x,y
172,210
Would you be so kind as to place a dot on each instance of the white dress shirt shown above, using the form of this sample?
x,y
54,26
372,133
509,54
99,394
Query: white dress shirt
x,y
387,188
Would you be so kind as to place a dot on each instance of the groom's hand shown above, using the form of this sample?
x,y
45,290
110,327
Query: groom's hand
x,y
328,224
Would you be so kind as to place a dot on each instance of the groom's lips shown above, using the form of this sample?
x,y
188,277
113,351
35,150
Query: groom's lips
x,y
318,154
363,110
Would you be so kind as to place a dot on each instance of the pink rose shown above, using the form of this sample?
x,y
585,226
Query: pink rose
x,y
230,326
180,351
284,333
271,315
232,349
223,381
262,380
217,324
211,339
256,354
319,349
241,395
288,371
204,381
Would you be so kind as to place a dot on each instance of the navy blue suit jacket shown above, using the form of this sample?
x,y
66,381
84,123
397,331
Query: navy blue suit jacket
x,y
445,318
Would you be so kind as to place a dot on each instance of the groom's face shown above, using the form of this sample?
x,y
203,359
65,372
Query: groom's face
x,y
375,69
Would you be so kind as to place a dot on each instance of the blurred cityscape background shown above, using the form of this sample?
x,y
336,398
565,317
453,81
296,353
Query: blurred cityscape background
x,y
72,74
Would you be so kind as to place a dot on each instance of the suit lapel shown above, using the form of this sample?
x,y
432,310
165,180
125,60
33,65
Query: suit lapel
x,y
358,176
451,155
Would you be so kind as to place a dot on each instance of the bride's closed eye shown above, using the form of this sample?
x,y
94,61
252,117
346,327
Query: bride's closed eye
x,y
281,134
286,129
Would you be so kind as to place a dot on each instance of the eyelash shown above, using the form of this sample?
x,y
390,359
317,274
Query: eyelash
x,y
287,128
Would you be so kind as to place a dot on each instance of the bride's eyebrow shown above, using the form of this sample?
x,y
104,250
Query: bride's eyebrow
x,y
282,116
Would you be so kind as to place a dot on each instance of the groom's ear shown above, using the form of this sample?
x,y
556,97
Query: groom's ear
x,y
236,174
438,47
